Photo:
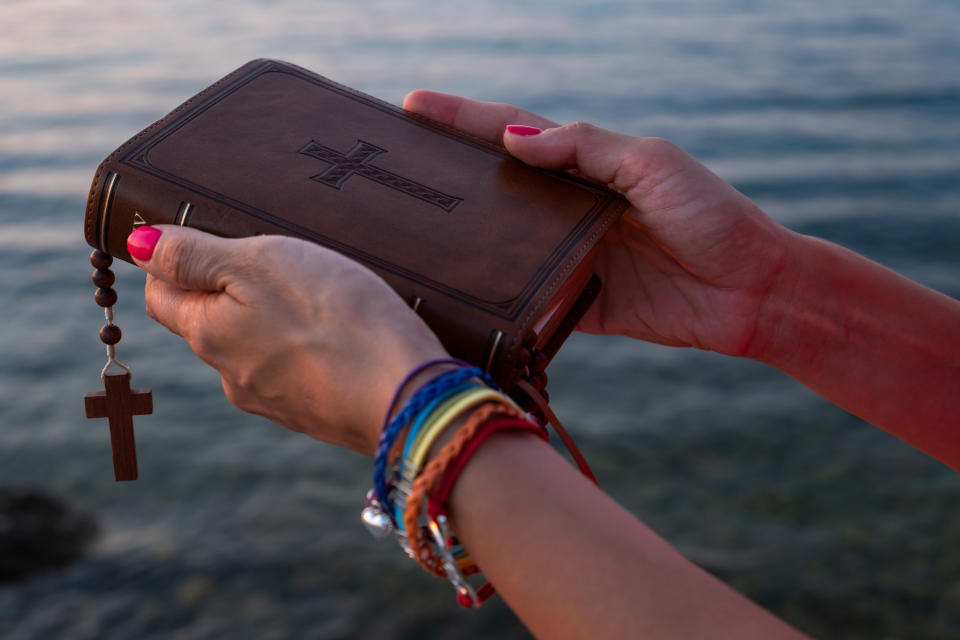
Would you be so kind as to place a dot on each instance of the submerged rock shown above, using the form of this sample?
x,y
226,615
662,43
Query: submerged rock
x,y
37,532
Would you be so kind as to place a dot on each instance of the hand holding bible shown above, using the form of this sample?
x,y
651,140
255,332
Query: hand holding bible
x,y
299,334
695,263
690,264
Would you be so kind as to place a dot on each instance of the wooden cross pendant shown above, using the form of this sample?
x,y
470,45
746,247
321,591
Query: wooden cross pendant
x,y
119,404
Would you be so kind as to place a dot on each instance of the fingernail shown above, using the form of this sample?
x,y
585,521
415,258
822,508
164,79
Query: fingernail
x,y
523,130
142,242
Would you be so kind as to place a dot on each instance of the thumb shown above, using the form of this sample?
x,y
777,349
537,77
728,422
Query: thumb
x,y
184,257
615,159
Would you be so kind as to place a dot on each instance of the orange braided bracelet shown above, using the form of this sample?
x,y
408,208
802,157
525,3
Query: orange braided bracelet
x,y
433,471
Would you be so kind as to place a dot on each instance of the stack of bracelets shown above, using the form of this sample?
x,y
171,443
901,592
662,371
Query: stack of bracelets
x,y
408,496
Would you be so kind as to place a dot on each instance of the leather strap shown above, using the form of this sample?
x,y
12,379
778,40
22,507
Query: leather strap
x,y
552,418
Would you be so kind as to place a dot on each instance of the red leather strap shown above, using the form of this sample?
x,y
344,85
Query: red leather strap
x,y
564,436
431,474
444,486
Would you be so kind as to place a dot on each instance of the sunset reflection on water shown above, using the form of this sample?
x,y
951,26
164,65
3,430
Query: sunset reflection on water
x,y
839,119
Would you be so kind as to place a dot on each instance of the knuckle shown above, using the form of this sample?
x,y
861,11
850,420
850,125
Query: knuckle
x,y
660,147
273,242
237,396
245,397
649,161
581,128
175,257
202,343
150,298
151,309
265,242
272,251
160,306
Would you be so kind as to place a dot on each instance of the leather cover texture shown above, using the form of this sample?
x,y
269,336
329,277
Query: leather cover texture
x,y
479,242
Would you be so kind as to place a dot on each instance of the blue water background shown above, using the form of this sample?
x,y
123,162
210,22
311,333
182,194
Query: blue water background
x,y
841,119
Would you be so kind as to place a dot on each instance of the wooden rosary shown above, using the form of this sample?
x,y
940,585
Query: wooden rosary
x,y
530,366
118,403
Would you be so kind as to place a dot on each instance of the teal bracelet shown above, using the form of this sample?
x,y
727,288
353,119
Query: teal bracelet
x,y
399,505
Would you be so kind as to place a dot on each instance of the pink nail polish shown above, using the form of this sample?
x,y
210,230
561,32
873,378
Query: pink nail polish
x,y
523,130
142,242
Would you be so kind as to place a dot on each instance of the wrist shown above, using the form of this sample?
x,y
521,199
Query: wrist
x,y
457,398
781,313
397,386
828,305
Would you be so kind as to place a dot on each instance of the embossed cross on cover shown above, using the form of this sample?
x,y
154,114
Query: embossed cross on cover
x,y
488,250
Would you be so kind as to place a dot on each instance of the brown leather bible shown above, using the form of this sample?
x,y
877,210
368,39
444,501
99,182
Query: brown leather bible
x,y
495,255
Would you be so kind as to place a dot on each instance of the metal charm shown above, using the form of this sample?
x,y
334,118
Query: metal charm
x,y
374,518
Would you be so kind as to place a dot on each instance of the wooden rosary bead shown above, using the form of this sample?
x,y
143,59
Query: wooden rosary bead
x,y
523,358
103,278
539,361
100,259
527,404
110,334
105,297
530,340
538,380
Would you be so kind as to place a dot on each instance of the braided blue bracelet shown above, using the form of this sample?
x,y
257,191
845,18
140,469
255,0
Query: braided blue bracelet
x,y
438,385
415,428
410,376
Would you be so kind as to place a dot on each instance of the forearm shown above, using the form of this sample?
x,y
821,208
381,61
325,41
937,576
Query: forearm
x,y
871,341
572,563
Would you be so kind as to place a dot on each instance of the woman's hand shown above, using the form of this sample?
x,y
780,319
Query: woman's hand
x,y
690,264
694,262
300,334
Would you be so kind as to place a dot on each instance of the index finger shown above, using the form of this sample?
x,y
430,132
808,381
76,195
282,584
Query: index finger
x,y
485,120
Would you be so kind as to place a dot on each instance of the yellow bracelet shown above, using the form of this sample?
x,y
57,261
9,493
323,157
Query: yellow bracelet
x,y
441,419
443,410
408,471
